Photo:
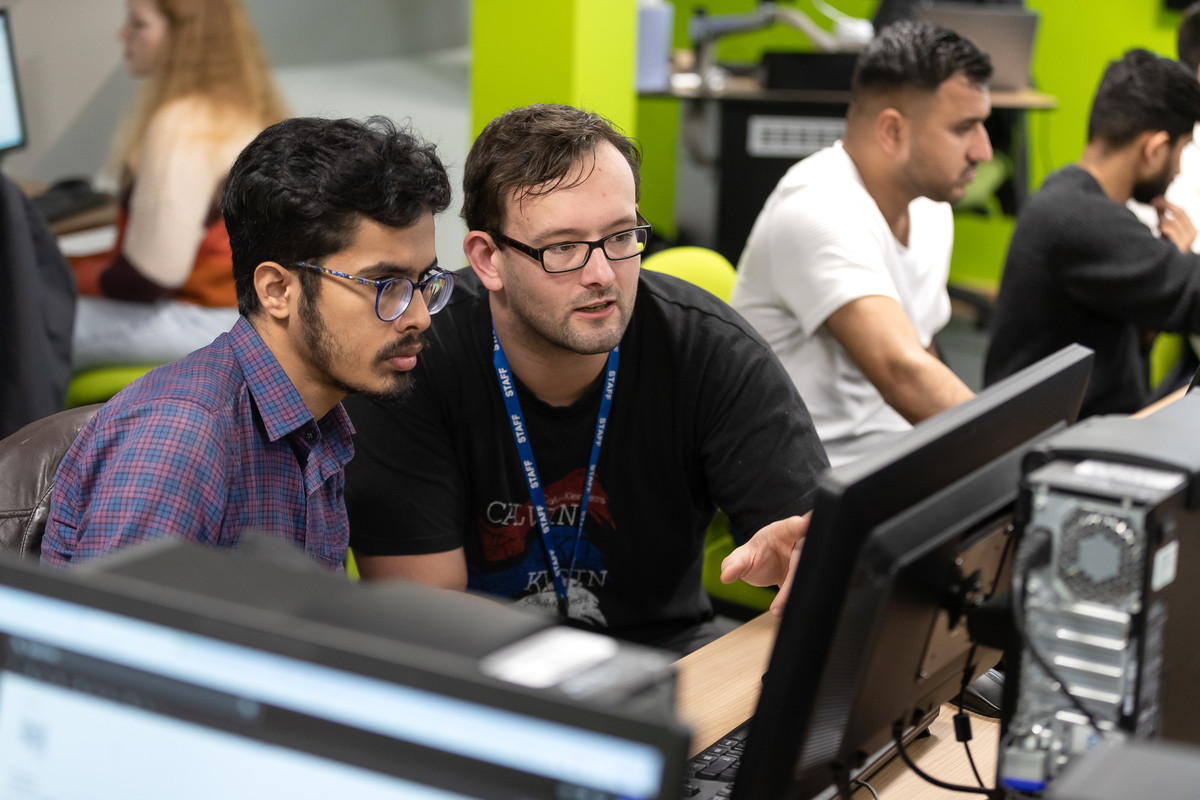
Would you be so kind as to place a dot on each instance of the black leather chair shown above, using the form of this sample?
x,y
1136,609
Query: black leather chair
x,y
28,460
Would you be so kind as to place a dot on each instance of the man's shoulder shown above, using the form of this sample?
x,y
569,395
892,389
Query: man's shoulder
x,y
163,403
680,300
822,197
206,378
675,313
1071,180
197,394
828,172
1071,206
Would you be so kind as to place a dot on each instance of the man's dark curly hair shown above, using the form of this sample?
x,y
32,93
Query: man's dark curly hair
x,y
916,55
1143,92
298,191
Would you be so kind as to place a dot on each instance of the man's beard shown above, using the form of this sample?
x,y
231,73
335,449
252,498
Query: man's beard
x,y
325,353
1148,190
561,334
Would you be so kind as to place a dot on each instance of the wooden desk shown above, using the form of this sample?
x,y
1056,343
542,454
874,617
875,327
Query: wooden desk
x,y
743,87
1166,401
731,669
719,683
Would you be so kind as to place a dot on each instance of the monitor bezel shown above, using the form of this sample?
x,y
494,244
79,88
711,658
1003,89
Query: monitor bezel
x,y
19,100
325,644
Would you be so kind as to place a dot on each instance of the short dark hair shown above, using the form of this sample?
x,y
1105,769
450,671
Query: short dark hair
x,y
298,191
1187,41
912,54
532,151
1143,92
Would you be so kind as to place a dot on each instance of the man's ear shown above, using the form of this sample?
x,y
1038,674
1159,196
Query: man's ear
x,y
892,131
483,254
278,289
1155,150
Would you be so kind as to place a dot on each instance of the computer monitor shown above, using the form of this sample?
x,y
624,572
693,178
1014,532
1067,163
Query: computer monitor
x,y
903,544
136,682
1004,33
12,113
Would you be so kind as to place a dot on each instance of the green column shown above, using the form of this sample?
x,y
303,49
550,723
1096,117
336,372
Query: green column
x,y
578,52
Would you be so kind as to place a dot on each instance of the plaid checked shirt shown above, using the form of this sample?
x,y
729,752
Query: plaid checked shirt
x,y
205,448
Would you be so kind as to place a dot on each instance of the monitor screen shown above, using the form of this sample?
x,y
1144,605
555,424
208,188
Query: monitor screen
x,y
12,115
105,691
903,545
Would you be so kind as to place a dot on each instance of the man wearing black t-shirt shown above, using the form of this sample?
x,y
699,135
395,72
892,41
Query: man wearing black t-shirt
x,y
574,423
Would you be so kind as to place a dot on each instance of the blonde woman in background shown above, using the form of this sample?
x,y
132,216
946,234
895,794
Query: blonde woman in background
x,y
167,289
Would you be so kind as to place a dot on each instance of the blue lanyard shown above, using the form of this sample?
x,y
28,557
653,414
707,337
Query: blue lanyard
x,y
536,494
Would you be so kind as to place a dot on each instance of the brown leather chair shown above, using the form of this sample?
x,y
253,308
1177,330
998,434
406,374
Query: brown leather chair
x,y
28,460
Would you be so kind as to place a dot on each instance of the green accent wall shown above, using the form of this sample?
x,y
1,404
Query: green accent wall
x,y
578,52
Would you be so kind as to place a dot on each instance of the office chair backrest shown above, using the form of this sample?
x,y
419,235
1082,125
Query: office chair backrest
x,y
706,268
28,460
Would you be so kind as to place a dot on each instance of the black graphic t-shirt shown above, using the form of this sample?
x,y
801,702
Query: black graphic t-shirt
x,y
703,416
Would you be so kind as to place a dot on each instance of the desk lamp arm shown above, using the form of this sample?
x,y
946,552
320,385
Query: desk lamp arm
x,y
705,30
850,34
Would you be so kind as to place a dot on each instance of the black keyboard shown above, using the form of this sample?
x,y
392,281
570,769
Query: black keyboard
x,y
710,774
67,199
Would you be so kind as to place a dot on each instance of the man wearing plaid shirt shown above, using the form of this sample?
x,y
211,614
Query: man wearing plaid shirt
x,y
331,223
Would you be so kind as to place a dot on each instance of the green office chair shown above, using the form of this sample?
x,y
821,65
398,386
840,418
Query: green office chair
x,y
706,268
99,384
712,271
981,192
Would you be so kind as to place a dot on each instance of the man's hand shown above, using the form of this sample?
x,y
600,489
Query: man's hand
x,y
769,558
1175,225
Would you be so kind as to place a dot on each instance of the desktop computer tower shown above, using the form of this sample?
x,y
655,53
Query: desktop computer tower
x,y
1106,585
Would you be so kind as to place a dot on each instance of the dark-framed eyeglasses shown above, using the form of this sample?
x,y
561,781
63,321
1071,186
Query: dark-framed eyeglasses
x,y
393,295
570,256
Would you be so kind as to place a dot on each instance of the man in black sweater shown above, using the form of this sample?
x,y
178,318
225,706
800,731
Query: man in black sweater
x,y
1081,267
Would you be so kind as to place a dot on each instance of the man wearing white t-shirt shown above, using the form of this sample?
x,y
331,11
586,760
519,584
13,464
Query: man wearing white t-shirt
x,y
1184,191
844,272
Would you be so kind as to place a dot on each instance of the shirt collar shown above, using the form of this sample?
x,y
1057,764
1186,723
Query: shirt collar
x,y
279,403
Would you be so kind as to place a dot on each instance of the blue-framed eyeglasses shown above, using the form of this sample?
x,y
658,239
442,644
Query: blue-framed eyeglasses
x,y
392,295
570,256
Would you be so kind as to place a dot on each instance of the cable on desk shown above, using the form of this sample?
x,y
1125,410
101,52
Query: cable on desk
x,y
962,720
867,786
898,738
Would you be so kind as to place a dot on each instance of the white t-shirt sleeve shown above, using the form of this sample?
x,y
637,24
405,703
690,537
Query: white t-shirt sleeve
x,y
1184,190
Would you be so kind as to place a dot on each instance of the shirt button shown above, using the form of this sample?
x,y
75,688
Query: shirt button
x,y
310,436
